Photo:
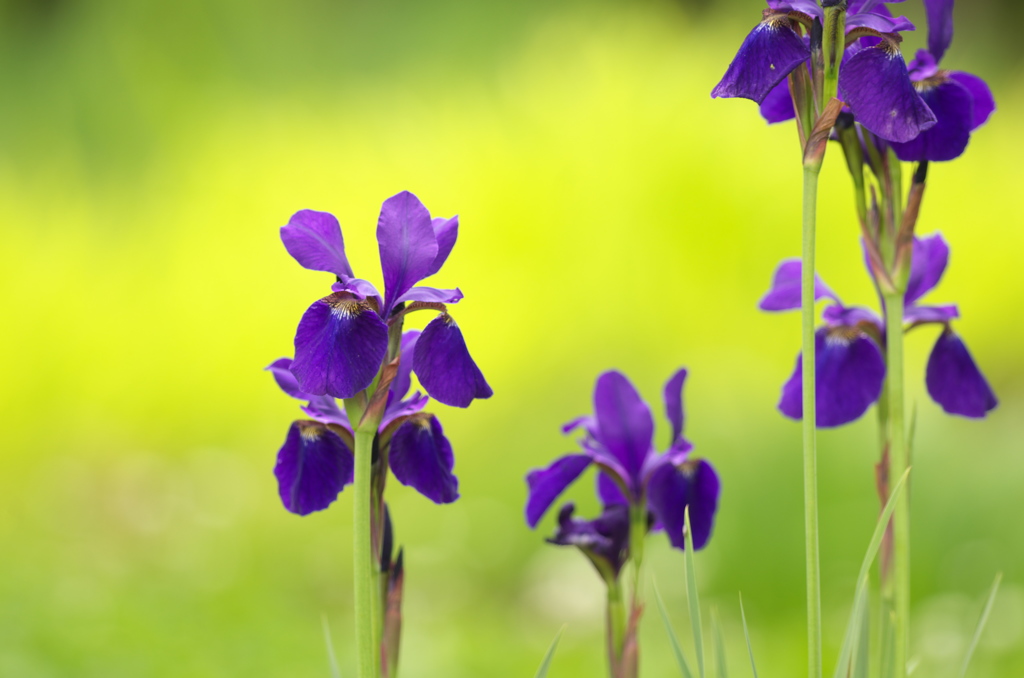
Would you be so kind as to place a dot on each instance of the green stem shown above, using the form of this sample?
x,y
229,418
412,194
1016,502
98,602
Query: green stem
x,y
616,626
809,432
367,656
898,465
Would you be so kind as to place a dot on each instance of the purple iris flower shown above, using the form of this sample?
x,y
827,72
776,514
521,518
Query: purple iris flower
x,y
873,78
342,339
316,461
619,440
604,540
850,346
962,102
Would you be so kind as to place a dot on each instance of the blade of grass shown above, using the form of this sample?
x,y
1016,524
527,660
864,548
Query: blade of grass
x,y
862,654
683,665
843,665
746,634
981,623
335,673
543,670
691,595
719,643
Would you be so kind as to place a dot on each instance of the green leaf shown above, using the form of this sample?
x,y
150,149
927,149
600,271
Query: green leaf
x,y
683,666
860,599
719,642
862,644
981,623
746,634
543,670
691,595
335,673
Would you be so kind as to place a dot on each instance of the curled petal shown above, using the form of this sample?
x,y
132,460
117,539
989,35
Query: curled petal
x,y
983,103
312,467
671,489
771,51
421,457
850,376
876,86
605,539
444,366
928,262
432,294
545,485
851,316
323,408
784,294
588,423
446,231
953,107
923,66
359,288
778,105
931,314
674,403
314,240
407,244
339,346
954,380
940,26
624,423
281,370
808,7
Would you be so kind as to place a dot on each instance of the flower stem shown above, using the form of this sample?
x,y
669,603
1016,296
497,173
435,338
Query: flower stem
x,y
367,654
898,465
616,627
809,422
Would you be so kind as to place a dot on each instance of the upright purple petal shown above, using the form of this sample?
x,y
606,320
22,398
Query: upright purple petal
x,y
850,376
778,105
312,467
954,380
673,394
771,51
983,103
875,84
784,294
444,366
407,243
403,379
670,490
546,485
928,262
339,346
314,240
940,26
421,457
446,231
953,107
608,491
624,423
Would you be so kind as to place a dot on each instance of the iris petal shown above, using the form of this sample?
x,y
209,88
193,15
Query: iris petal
x,y
446,232
928,263
545,485
778,105
407,243
312,467
954,380
673,395
670,490
876,86
444,366
421,457
785,294
983,103
768,54
624,422
953,107
314,240
940,26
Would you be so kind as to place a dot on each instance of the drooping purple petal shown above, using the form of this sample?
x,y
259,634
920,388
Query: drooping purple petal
x,y
940,26
953,107
850,375
670,490
546,485
339,346
421,457
433,294
929,259
624,423
407,244
282,373
673,395
605,538
312,467
778,105
784,294
954,380
931,314
444,366
875,84
446,231
771,51
880,20
983,103
314,240
808,7
608,490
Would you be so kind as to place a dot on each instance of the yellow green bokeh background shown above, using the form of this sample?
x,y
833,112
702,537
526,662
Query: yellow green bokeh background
x,y
612,216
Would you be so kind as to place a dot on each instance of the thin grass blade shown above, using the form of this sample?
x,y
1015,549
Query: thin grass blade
x,y
746,634
542,672
335,673
683,665
862,643
860,599
981,623
692,597
719,642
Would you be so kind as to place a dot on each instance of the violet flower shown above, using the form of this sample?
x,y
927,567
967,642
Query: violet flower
x,y
962,102
316,461
850,346
342,339
604,540
619,441
873,78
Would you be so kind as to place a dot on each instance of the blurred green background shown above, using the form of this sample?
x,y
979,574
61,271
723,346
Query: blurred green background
x,y
612,214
